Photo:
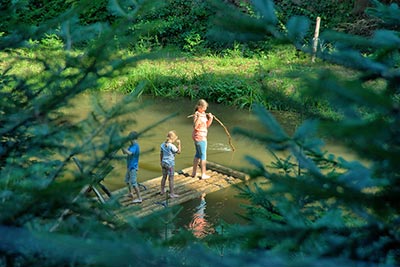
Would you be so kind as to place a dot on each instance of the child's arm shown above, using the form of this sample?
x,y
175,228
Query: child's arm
x,y
126,151
196,118
210,119
179,146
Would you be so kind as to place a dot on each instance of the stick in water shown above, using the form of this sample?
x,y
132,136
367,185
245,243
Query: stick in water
x,y
226,131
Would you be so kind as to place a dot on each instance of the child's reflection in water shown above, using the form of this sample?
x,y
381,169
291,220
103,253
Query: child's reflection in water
x,y
199,225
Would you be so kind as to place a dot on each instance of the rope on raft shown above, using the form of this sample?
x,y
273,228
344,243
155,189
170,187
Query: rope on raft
x,y
226,131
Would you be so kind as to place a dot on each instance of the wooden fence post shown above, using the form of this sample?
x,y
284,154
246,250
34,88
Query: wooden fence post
x,y
315,39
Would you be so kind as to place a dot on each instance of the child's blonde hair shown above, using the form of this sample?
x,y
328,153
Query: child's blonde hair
x,y
200,103
171,137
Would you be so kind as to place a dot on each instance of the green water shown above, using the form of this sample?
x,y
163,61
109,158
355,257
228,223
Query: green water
x,y
222,205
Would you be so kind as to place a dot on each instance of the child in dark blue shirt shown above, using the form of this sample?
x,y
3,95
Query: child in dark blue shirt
x,y
132,163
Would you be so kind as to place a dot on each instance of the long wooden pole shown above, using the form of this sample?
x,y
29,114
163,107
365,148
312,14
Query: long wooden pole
x,y
226,131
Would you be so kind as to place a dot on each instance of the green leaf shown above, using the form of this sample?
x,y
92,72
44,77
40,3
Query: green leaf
x,y
270,124
267,10
306,129
297,28
389,39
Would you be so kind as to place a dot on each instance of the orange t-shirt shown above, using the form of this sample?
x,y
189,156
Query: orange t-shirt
x,y
200,127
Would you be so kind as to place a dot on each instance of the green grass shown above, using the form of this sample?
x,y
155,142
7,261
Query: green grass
x,y
272,78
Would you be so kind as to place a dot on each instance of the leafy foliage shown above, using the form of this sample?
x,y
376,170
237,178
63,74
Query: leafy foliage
x,y
178,23
175,22
315,210
330,12
47,218
316,203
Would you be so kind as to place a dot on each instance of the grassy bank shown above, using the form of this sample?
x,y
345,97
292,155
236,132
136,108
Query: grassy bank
x,y
271,78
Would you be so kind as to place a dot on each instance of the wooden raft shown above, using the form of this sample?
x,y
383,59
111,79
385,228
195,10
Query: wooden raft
x,y
186,187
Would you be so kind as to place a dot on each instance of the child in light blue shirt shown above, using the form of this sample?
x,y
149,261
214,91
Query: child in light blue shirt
x,y
168,150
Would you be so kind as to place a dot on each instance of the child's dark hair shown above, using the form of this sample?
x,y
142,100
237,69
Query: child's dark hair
x,y
133,135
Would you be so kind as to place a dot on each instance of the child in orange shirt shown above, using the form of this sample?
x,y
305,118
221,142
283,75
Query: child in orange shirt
x,y
201,122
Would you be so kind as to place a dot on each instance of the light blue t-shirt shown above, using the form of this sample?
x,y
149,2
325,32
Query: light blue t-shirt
x,y
168,153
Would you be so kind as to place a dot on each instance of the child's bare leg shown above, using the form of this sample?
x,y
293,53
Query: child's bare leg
x,y
129,190
203,165
195,164
139,199
171,184
163,180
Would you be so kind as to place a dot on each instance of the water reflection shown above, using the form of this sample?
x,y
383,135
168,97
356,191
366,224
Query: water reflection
x,y
199,225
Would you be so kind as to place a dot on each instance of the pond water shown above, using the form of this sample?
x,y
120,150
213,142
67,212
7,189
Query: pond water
x,y
222,205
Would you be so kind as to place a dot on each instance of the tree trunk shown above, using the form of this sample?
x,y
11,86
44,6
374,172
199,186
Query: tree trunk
x,y
360,6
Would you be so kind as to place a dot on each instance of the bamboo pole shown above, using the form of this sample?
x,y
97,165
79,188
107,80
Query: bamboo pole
x,y
226,131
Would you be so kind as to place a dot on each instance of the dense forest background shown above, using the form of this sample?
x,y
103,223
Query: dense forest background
x,y
316,210
184,23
